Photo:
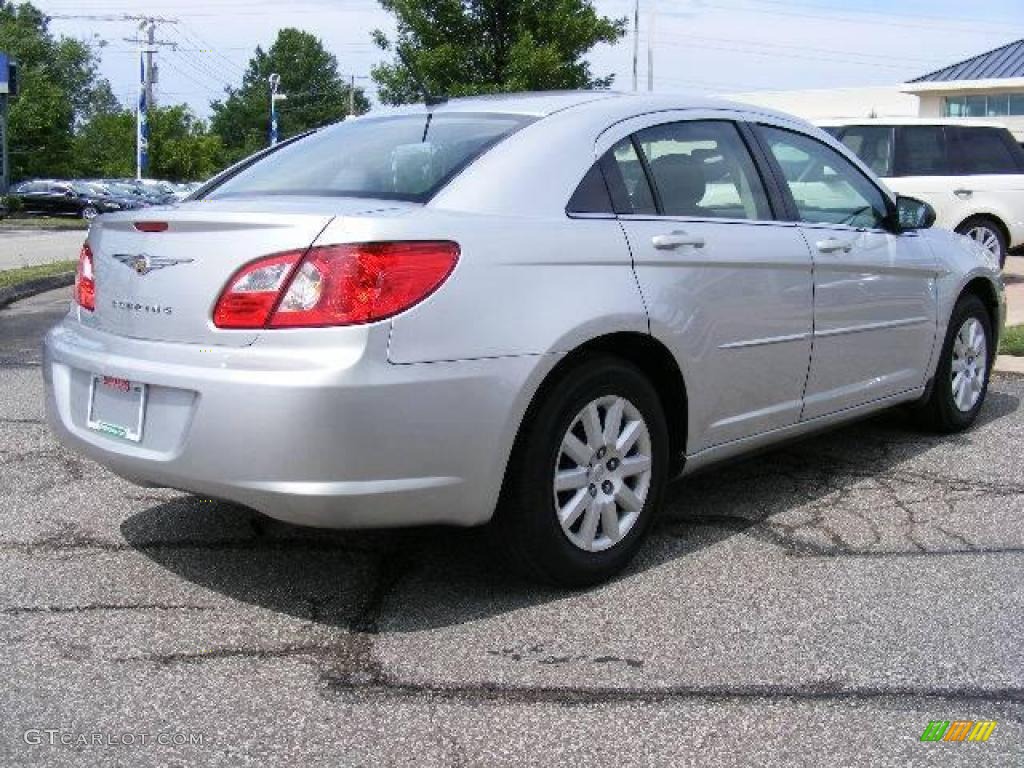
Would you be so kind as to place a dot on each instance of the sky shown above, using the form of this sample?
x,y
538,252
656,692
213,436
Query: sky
x,y
709,46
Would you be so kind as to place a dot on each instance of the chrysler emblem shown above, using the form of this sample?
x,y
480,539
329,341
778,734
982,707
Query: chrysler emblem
x,y
143,263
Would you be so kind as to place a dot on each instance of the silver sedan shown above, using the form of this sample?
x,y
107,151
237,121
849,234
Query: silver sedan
x,y
528,311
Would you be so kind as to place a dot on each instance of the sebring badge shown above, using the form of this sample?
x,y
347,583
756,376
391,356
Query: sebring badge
x,y
143,263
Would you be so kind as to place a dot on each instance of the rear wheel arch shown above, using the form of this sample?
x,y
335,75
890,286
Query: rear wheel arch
x,y
989,217
652,359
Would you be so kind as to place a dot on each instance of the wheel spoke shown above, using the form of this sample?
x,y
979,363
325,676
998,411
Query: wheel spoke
x,y
628,499
589,529
570,513
629,436
575,450
613,421
592,426
571,479
610,521
634,465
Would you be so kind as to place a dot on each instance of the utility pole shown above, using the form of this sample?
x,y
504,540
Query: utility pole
x,y
275,96
147,77
651,25
636,42
352,97
147,72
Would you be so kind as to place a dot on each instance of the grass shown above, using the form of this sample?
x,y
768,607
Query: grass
x,y
9,277
1012,342
15,221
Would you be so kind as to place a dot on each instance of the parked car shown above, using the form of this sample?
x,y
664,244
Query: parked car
x,y
971,173
102,192
60,198
530,311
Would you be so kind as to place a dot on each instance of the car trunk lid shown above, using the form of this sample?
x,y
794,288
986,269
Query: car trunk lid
x,y
163,284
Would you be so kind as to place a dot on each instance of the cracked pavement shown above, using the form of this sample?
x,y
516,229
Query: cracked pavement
x,y
815,605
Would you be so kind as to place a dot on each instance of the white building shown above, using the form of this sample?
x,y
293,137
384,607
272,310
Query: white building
x,y
990,85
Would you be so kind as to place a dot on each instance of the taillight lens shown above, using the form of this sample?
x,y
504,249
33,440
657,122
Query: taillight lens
x,y
85,280
335,285
253,291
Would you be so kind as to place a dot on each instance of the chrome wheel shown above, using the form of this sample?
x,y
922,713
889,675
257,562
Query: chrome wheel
x,y
987,239
603,473
970,364
89,213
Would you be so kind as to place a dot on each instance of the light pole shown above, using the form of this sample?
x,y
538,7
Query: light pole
x,y
275,96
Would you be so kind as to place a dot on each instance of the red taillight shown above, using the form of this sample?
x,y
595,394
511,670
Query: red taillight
x,y
85,280
335,285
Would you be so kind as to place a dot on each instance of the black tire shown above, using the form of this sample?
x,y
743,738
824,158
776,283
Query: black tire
x,y
89,213
986,224
526,527
940,412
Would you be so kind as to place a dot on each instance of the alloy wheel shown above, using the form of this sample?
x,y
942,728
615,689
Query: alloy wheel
x,y
602,475
987,239
970,364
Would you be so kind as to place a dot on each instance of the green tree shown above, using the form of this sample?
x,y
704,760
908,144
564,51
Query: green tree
x,y
466,47
317,94
180,146
58,85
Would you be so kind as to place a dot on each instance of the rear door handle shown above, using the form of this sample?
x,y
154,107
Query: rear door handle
x,y
833,245
677,239
963,192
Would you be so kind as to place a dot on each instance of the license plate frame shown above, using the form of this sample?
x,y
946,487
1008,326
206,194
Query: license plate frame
x,y
117,407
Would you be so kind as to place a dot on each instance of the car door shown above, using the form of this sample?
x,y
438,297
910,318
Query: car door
x,y
874,291
33,197
727,286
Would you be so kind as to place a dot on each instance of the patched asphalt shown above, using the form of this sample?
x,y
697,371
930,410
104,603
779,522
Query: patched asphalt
x,y
816,605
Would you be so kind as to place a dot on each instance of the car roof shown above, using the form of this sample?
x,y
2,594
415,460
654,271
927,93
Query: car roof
x,y
545,103
969,122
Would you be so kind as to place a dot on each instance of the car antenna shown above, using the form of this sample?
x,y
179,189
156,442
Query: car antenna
x,y
428,99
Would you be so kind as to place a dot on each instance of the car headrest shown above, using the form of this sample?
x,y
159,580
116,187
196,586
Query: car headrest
x,y
681,182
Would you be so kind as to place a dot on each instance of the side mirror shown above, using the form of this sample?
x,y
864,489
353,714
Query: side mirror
x,y
69,193
913,214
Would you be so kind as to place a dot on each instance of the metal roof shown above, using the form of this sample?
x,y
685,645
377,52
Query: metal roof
x,y
1000,63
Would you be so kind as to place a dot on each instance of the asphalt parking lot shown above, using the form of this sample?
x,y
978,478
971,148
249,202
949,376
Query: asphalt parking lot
x,y
817,605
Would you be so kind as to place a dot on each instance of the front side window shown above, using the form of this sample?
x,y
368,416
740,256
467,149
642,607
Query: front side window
x,y
702,169
407,157
872,144
826,187
921,151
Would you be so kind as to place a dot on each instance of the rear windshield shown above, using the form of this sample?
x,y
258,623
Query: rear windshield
x,y
408,157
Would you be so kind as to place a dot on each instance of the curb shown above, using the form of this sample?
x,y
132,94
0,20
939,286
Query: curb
x,y
1009,364
29,288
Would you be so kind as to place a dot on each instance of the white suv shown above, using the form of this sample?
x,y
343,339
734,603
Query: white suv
x,y
972,173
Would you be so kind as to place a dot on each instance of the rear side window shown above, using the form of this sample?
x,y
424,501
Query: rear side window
x,y
872,144
921,150
627,180
406,157
985,150
702,169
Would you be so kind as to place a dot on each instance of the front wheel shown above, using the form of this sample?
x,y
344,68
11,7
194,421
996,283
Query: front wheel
x,y
586,476
89,213
961,380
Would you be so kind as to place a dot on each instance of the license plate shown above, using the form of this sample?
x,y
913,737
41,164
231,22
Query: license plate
x,y
117,407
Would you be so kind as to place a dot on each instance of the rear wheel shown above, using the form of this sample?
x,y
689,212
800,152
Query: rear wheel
x,y
988,234
961,380
586,476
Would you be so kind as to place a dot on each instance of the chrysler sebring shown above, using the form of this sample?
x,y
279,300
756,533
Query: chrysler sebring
x,y
527,311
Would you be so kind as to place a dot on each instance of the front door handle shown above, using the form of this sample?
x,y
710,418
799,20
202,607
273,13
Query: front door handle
x,y
833,245
963,193
677,239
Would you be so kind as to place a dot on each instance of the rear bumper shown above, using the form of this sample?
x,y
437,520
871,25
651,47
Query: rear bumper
x,y
334,437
